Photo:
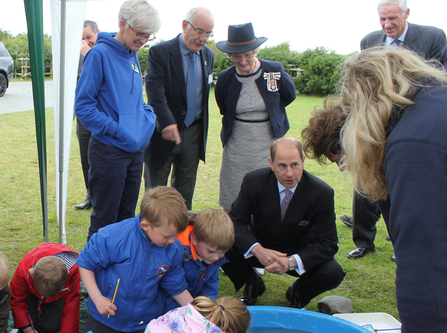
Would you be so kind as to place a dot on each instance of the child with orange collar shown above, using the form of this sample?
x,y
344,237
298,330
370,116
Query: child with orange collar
x,y
205,241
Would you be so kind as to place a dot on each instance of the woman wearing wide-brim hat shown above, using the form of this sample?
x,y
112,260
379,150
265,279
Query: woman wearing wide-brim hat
x,y
252,96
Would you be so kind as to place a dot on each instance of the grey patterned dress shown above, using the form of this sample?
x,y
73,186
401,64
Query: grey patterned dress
x,y
248,146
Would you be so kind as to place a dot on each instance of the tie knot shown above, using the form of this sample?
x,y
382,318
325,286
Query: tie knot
x,y
397,42
191,55
287,193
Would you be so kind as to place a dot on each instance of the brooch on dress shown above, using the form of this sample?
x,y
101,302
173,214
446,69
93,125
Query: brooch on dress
x,y
271,78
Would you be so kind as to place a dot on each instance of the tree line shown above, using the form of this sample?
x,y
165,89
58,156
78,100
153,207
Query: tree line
x,y
321,67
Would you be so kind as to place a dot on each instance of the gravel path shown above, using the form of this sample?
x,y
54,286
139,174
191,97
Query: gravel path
x,y
19,97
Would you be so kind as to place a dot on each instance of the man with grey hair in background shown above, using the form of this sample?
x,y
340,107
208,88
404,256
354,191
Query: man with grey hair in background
x,y
109,102
428,42
178,80
89,36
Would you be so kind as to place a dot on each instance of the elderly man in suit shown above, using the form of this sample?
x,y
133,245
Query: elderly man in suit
x,y
424,40
284,222
89,36
179,75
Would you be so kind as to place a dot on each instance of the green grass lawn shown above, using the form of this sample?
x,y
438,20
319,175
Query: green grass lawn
x,y
369,282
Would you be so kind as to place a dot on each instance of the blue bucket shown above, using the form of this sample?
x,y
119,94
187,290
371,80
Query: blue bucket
x,y
301,321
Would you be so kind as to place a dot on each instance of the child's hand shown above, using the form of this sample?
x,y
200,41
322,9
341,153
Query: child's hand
x,y
29,330
105,306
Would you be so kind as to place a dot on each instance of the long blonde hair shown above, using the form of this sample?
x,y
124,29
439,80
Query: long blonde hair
x,y
375,82
228,312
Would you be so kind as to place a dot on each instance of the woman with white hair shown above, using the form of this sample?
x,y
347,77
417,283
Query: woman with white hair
x,y
109,102
395,140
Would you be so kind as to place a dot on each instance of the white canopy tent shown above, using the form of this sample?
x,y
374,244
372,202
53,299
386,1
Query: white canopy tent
x,y
67,22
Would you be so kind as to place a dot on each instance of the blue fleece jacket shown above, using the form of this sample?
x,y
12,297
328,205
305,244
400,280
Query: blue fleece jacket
x,y
202,279
146,272
109,96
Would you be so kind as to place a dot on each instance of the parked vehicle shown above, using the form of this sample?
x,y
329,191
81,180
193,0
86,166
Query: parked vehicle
x,y
6,69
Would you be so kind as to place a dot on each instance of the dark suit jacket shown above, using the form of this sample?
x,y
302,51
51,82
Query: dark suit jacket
x,y
166,93
308,228
425,40
228,89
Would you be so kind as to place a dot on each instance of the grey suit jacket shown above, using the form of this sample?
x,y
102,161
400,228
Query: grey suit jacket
x,y
425,40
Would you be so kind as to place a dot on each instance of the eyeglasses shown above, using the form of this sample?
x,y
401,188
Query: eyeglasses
x,y
141,36
202,33
239,57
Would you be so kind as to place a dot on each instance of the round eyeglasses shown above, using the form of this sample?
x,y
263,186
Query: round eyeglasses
x,y
141,35
202,33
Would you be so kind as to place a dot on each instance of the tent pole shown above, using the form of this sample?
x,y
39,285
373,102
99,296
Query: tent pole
x,y
62,239
34,21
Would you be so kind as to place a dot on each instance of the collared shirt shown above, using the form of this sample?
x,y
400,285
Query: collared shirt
x,y
389,41
300,266
185,61
281,189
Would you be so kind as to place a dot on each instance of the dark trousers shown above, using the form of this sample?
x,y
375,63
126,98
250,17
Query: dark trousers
x,y
83,135
365,214
184,160
322,278
96,327
114,182
50,316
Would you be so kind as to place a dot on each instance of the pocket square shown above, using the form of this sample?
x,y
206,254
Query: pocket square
x,y
303,223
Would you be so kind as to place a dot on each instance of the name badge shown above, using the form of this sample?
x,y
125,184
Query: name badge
x,y
210,78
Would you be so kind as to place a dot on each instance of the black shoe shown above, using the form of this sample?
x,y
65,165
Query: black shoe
x,y
393,257
388,238
347,220
85,205
360,252
294,298
252,291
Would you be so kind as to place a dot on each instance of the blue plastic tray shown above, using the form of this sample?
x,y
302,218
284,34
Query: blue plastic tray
x,y
300,320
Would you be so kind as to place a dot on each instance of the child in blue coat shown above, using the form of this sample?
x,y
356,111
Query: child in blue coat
x,y
145,255
205,241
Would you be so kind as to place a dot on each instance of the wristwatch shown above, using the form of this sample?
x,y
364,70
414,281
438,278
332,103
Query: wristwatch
x,y
292,265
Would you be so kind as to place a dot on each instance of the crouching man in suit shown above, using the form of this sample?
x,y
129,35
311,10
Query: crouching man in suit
x,y
284,222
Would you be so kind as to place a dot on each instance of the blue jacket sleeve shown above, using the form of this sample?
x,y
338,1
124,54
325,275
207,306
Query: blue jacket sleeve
x,y
86,100
210,288
174,282
287,91
96,254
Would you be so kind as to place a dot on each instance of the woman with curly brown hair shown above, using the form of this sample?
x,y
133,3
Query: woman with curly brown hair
x,y
321,138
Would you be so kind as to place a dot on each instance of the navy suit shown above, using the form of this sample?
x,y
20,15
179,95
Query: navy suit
x,y
228,90
166,93
308,229
426,40
415,169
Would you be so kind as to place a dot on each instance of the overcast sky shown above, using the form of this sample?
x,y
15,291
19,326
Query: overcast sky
x,y
336,25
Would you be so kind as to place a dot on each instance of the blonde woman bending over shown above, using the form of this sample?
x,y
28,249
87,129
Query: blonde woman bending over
x,y
395,140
